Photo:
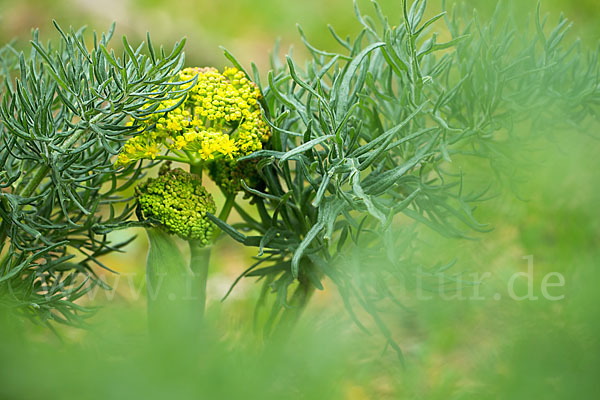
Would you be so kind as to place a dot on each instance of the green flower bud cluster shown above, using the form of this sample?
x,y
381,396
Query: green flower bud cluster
x,y
178,202
228,174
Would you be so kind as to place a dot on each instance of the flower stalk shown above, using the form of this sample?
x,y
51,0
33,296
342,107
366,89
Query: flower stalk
x,y
165,283
199,266
216,123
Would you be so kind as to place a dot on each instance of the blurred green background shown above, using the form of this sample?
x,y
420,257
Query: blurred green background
x,y
496,348
246,27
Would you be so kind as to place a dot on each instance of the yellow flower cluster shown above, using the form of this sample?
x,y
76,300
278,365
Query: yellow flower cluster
x,y
219,119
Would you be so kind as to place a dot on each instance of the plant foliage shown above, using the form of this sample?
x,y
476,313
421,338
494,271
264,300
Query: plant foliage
x,y
63,114
374,134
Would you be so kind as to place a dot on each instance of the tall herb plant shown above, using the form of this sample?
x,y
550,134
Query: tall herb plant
x,y
336,154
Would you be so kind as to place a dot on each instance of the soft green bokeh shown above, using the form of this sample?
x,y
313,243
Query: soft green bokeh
x,y
247,28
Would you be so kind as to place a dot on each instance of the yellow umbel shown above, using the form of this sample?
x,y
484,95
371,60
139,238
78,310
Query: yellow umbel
x,y
219,118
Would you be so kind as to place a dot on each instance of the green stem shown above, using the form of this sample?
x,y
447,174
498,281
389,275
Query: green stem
x,y
224,214
35,181
39,175
172,158
199,263
166,273
3,234
196,169
297,303
200,255
44,169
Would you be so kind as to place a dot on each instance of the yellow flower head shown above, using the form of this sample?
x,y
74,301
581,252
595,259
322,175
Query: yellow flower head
x,y
219,119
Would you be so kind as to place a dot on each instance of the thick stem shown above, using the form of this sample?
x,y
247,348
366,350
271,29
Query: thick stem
x,y
196,169
166,273
199,262
200,259
298,302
